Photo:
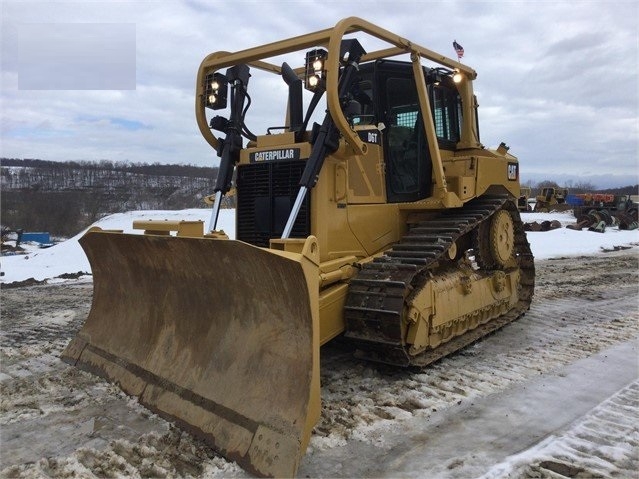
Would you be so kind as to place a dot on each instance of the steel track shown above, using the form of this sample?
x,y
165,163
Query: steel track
x,y
378,295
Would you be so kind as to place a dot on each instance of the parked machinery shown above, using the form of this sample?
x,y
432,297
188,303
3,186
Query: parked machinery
x,y
522,201
552,199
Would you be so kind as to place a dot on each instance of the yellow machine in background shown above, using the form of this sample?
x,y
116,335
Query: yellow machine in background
x,y
388,223
524,196
551,198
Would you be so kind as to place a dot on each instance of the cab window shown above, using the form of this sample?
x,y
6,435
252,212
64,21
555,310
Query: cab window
x,y
446,106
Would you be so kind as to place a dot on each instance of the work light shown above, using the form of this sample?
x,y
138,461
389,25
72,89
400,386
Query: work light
x,y
315,73
215,91
436,75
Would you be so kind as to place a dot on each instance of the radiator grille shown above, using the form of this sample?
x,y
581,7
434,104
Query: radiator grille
x,y
266,192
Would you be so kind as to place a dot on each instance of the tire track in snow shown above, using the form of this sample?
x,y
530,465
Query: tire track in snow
x,y
604,443
581,307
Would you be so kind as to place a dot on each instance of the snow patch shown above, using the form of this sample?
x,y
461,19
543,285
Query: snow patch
x,y
68,258
584,450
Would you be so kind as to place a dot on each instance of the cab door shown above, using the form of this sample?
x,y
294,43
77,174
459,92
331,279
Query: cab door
x,y
407,158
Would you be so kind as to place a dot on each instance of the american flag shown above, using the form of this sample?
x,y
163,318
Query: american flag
x,y
459,49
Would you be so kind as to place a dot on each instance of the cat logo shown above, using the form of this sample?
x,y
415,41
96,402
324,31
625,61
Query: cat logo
x,y
275,155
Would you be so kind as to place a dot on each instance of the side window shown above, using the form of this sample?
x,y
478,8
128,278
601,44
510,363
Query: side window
x,y
446,114
362,92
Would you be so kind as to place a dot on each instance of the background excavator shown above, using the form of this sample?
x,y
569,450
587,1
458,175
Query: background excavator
x,y
387,224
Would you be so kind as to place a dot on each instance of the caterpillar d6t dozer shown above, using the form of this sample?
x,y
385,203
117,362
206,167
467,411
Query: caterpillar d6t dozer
x,y
387,224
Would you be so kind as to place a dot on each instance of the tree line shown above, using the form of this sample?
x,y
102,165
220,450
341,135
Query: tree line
x,y
65,197
578,187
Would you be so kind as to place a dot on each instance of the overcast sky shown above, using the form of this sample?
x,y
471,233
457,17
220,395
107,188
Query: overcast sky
x,y
557,81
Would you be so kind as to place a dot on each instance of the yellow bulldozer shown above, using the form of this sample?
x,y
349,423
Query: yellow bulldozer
x,y
387,223
552,199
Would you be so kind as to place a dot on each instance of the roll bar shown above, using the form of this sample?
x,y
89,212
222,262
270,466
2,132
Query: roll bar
x,y
330,39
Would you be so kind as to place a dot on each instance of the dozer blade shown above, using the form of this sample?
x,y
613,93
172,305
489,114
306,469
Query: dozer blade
x,y
217,335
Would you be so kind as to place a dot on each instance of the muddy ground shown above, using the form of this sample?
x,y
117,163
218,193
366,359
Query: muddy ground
x,y
574,354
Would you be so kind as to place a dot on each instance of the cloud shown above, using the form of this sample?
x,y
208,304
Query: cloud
x,y
124,123
76,56
557,81
131,125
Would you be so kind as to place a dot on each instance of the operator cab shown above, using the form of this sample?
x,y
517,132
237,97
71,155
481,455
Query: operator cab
x,y
387,95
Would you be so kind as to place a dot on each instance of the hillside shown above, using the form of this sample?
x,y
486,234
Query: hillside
x,y
64,197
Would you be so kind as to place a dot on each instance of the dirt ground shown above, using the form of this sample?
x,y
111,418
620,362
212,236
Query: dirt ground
x,y
57,421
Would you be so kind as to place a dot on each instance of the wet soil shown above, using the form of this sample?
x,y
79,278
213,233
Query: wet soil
x,y
57,421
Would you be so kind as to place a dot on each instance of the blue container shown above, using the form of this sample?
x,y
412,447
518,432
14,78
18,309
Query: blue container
x,y
574,200
42,238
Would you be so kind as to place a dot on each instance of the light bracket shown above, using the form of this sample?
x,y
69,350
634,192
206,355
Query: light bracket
x,y
315,69
216,88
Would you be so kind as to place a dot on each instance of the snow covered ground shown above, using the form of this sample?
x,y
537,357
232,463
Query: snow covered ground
x,y
68,258
552,395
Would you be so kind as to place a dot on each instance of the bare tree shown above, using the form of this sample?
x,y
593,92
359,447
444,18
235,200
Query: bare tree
x,y
584,187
